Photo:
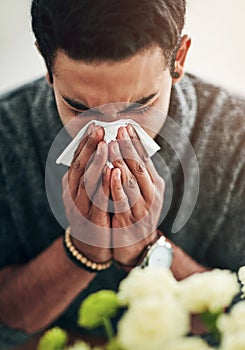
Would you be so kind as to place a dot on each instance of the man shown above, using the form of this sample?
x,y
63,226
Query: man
x,y
108,53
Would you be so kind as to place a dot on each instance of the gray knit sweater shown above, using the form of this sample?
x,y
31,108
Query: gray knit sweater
x,y
214,235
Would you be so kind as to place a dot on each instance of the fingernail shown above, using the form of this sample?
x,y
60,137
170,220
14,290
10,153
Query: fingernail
x,y
130,130
91,128
115,147
118,174
125,134
99,149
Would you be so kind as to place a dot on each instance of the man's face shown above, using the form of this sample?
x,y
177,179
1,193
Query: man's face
x,y
112,89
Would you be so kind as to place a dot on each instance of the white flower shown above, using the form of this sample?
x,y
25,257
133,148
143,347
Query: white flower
x,y
151,323
142,283
189,343
79,346
241,275
232,327
208,291
234,342
234,322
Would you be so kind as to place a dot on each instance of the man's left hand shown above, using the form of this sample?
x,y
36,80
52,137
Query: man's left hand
x,y
137,191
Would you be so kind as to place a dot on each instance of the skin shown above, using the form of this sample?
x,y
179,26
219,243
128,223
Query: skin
x,y
51,277
134,178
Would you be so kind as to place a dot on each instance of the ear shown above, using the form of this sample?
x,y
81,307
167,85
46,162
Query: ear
x,y
49,79
181,57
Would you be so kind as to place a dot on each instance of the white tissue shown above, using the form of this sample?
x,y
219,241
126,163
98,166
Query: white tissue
x,y
111,129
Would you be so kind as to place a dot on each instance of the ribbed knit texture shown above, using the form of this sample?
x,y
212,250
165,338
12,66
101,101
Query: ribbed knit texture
x,y
212,120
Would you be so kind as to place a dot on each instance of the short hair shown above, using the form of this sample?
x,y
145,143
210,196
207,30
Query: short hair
x,y
107,30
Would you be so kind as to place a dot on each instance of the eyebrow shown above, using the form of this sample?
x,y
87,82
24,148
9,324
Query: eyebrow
x,y
80,106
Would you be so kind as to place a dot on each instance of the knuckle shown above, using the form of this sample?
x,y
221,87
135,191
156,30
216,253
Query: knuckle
x,y
119,163
131,182
139,213
140,168
121,206
100,197
76,165
93,139
145,157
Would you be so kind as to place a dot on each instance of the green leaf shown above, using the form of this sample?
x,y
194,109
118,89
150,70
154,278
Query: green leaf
x,y
97,307
210,320
53,339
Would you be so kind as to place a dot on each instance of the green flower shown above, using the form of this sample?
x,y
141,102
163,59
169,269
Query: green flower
x,y
53,339
97,307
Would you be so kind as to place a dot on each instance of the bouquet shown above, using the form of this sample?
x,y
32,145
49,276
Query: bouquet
x,y
157,312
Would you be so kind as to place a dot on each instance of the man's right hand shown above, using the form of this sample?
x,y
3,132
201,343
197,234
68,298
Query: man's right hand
x,y
86,192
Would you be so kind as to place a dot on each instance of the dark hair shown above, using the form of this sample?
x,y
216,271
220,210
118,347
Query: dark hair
x,y
102,30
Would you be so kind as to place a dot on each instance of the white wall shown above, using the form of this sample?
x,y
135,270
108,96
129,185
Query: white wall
x,y
217,28
19,60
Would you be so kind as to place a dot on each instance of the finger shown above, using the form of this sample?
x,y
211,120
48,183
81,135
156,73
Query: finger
x,y
80,146
142,153
75,165
65,181
89,181
129,182
102,195
135,164
78,167
137,210
66,195
94,172
121,204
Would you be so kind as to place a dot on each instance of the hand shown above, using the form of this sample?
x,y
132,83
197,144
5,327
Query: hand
x,y
86,191
137,191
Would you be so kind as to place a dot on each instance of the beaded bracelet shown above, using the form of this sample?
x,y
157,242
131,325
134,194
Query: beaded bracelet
x,y
79,259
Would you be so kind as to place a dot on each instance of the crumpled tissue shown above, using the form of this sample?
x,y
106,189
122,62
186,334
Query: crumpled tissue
x,y
111,129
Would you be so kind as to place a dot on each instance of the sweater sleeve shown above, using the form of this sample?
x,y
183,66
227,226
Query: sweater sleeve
x,y
11,252
10,338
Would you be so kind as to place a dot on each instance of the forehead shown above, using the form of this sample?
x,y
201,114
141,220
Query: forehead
x,y
106,82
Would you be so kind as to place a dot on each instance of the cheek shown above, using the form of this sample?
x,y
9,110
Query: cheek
x,y
65,114
62,110
72,122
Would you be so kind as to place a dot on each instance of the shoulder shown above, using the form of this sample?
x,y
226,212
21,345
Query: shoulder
x,y
24,107
214,99
219,113
25,94
19,103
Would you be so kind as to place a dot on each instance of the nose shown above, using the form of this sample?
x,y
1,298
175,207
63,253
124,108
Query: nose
x,y
111,112
110,117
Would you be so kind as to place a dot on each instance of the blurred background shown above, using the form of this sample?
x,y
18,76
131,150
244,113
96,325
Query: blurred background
x,y
217,29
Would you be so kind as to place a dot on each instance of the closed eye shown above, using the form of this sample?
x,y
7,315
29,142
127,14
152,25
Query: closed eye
x,y
94,111
134,108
